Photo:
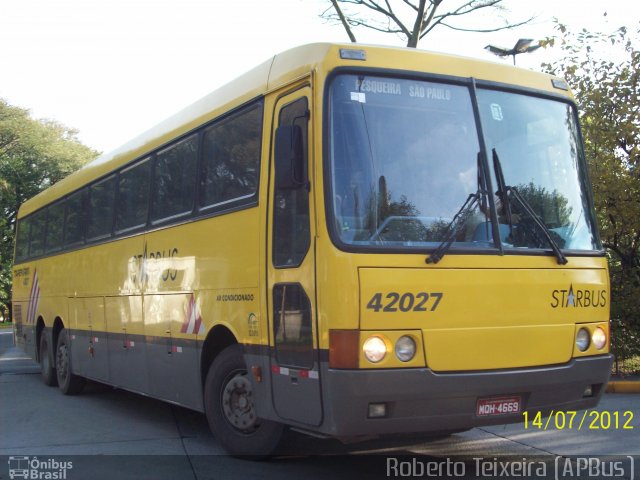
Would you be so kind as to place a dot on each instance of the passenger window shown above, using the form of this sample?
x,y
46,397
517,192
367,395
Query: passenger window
x,y
133,197
36,238
74,219
22,240
231,158
101,206
55,227
175,179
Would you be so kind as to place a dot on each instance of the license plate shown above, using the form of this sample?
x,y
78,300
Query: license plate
x,y
490,406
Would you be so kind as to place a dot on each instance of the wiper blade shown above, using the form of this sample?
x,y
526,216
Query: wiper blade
x,y
562,260
504,192
454,227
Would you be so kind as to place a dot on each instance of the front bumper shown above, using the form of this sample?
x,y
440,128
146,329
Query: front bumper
x,y
420,400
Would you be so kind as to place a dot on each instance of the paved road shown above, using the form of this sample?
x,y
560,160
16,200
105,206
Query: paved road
x,y
108,433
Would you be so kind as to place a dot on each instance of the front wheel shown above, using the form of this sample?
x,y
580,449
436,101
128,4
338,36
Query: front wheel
x,y
230,408
69,383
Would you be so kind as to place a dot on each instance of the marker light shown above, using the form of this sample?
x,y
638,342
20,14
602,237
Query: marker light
x,y
405,348
599,338
351,54
374,349
582,339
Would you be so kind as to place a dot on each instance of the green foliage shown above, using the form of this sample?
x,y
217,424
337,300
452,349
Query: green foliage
x,y
604,73
552,207
34,154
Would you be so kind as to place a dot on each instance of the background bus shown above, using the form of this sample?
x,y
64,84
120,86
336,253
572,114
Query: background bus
x,y
348,240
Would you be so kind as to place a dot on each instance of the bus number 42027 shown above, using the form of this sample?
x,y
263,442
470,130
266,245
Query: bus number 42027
x,y
405,302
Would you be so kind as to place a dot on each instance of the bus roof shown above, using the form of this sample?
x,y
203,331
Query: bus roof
x,y
274,73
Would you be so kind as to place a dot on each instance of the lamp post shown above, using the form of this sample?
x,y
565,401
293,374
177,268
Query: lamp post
x,y
522,46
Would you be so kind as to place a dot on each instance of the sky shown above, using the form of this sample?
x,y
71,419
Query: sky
x,y
112,69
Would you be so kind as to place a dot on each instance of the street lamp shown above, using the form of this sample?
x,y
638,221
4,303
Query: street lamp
x,y
522,46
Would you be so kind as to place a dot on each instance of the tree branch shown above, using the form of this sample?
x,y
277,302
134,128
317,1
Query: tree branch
x,y
343,20
469,7
407,2
434,6
427,16
361,23
388,13
463,9
488,30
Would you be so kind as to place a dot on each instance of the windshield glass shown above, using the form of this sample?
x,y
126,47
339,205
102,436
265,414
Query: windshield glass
x,y
537,144
404,157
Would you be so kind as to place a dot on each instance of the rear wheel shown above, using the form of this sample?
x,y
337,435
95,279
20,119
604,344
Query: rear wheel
x,y
69,383
46,366
230,408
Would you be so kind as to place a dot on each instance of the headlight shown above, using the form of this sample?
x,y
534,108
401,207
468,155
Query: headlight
x,y
374,349
405,348
599,338
582,339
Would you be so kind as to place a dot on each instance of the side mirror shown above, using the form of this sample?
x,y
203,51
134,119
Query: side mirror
x,y
289,158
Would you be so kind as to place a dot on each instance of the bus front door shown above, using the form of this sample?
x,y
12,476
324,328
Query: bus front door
x,y
295,378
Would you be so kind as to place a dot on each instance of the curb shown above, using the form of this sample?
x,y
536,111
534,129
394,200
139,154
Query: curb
x,y
623,387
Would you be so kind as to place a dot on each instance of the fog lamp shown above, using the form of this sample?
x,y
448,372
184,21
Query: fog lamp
x,y
377,410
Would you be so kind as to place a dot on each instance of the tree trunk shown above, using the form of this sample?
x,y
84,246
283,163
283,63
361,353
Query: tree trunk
x,y
417,26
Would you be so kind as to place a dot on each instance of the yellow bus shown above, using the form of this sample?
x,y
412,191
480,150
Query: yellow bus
x,y
348,240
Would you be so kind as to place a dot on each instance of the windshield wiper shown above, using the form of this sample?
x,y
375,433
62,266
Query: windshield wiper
x,y
454,227
505,192
502,192
459,219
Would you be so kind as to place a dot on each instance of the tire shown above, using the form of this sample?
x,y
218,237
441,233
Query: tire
x,y
69,383
229,406
47,371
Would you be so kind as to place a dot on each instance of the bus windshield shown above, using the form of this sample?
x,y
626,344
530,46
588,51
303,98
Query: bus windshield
x,y
405,156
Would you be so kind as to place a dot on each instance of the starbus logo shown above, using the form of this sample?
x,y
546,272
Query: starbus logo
x,y
578,298
149,257
36,469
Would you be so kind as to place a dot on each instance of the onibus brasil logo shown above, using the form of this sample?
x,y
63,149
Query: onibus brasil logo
x,y
36,469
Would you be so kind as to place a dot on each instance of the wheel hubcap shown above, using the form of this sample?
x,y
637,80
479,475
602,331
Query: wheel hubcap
x,y
237,403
